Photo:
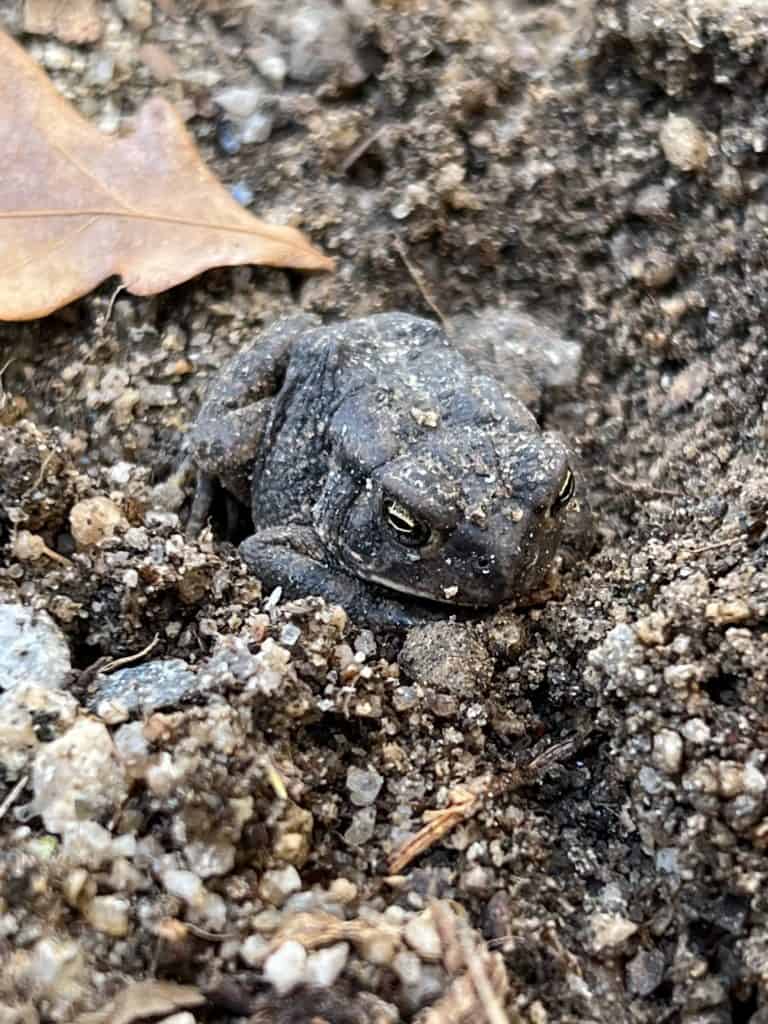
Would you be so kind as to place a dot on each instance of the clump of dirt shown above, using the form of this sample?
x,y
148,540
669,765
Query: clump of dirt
x,y
601,166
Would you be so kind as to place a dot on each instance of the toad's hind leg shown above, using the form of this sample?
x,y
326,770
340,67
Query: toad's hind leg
x,y
230,425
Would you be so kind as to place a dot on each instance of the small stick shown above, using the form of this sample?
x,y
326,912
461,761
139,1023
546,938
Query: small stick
x,y
645,488
115,293
129,659
11,798
421,284
494,1011
357,151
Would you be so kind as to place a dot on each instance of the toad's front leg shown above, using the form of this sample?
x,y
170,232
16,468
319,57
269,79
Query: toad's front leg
x,y
293,558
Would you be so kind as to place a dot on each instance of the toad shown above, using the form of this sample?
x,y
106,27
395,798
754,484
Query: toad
x,y
381,471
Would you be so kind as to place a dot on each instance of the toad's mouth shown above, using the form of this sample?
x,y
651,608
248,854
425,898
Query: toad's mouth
x,y
429,595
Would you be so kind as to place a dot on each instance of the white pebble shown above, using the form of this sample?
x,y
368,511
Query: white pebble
x,y
277,885
325,965
109,914
94,520
238,101
697,731
32,649
683,142
668,751
186,885
407,966
77,776
256,128
254,950
421,935
286,968
610,931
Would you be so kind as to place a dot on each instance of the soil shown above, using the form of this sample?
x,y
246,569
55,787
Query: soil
x,y
601,166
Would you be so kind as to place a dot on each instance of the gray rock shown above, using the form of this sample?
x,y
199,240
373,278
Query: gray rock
x,y
525,354
446,657
320,44
157,684
363,786
32,649
645,972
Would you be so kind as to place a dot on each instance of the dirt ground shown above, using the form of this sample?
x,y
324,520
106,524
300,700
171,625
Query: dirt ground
x,y
600,166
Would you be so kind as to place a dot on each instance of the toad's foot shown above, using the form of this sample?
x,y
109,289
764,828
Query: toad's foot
x,y
292,558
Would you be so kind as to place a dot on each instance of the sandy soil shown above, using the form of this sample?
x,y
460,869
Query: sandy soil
x,y
602,167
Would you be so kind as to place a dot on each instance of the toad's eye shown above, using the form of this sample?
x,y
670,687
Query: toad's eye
x,y
408,530
566,491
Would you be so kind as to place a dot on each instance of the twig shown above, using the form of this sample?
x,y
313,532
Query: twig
x,y
464,802
201,933
129,659
645,488
716,544
421,284
11,798
466,799
357,151
3,368
494,1011
32,487
115,293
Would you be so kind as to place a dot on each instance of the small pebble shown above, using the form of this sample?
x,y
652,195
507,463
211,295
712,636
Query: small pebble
x,y
238,102
94,520
683,142
286,968
32,649
146,688
668,751
256,128
211,859
407,966
421,935
362,828
55,966
138,13
645,972
78,776
289,634
109,914
253,950
186,885
326,964
228,138
610,931
363,786
244,195
277,885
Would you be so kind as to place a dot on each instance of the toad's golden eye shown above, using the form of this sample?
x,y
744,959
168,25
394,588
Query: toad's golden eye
x,y
566,492
408,530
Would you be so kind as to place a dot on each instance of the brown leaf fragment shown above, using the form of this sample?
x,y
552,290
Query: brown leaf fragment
x,y
140,999
71,21
77,207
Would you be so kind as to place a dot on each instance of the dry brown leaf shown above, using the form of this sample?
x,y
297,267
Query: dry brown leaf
x,y
140,999
77,206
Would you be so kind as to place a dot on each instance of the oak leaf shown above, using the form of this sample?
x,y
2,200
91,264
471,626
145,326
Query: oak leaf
x,y
77,206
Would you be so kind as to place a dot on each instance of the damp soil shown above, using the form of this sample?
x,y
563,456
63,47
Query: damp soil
x,y
601,167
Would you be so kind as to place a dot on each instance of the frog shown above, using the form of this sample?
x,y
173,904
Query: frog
x,y
381,470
